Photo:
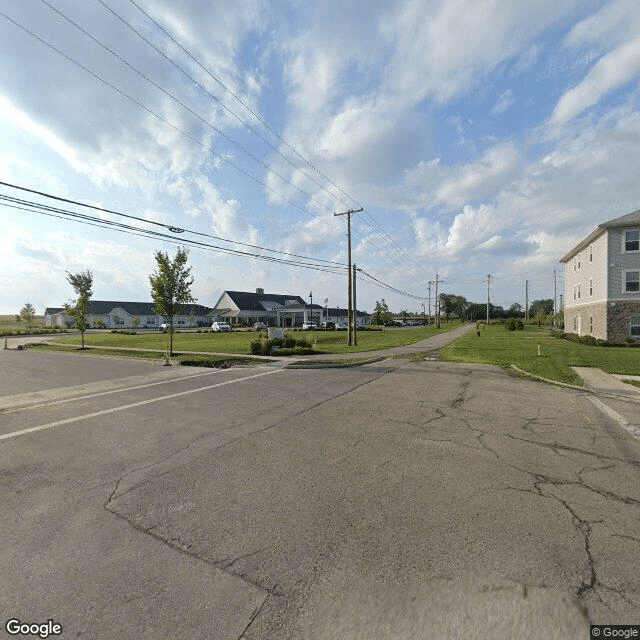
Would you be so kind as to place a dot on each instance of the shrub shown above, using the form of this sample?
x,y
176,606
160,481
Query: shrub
x,y
514,323
588,340
601,343
124,332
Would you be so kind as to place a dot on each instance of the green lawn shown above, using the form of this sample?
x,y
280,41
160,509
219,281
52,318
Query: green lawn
x,y
9,325
498,346
239,341
184,359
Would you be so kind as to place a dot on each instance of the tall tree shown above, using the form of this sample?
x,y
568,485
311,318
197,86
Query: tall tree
x,y
28,314
541,306
381,313
453,305
516,310
171,287
79,309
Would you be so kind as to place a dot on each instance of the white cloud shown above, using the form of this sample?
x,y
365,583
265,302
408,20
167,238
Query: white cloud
x,y
610,72
470,182
504,102
227,217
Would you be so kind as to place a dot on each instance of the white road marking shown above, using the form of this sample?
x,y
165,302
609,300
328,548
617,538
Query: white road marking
x,y
132,405
633,429
104,393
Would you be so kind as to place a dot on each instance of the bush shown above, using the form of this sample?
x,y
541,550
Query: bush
x,y
287,346
590,340
514,323
124,332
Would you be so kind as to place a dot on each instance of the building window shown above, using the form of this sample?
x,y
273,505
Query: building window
x,y
575,323
574,291
632,281
632,240
590,286
578,262
590,324
634,327
574,263
591,253
578,291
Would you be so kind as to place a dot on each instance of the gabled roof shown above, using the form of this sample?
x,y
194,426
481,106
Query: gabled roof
x,y
628,220
104,307
251,301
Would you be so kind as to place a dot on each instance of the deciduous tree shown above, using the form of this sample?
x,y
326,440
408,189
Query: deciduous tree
x,y
79,309
171,287
28,314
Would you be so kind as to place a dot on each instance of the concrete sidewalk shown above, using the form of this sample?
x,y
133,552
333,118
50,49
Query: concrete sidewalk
x,y
598,381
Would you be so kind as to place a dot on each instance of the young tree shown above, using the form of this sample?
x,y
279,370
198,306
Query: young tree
x,y
28,314
171,287
381,313
79,310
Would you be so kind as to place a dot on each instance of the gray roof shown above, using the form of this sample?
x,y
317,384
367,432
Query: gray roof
x,y
628,220
104,307
250,301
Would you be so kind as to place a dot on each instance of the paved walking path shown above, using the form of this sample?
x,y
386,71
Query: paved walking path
x,y
598,381
429,344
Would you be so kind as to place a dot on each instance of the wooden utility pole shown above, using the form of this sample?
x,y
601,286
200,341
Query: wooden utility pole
x,y
429,316
349,276
437,305
488,296
355,307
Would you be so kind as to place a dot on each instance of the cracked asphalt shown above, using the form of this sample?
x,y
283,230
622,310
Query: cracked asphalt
x,y
395,500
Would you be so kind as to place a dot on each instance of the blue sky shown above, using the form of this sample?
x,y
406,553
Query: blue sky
x,y
480,138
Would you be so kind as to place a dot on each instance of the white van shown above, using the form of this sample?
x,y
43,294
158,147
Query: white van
x,y
220,326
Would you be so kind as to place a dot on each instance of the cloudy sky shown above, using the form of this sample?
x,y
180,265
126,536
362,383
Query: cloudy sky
x,y
479,136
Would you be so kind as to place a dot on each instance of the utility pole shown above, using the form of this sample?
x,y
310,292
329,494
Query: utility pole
x,y
526,299
555,295
355,308
311,296
437,305
349,281
429,317
488,295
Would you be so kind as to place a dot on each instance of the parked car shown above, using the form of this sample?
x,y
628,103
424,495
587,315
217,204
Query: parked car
x,y
340,326
328,325
220,326
163,327
258,326
308,326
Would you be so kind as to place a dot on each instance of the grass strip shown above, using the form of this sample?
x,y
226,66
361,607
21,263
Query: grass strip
x,y
185,359
500,347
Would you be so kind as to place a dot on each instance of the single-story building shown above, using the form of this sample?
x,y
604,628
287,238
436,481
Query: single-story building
x,y
274,309
127,315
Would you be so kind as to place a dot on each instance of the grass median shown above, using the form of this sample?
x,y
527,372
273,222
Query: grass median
x,y
498,346
239,341
190,360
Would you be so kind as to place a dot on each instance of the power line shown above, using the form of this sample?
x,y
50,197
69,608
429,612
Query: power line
x,y
159,117
386,236
161,224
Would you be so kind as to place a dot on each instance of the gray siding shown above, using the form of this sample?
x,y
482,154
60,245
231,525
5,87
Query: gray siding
x,y
619,262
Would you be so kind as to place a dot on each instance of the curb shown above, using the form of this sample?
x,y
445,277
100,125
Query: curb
x,y
328,365
575,387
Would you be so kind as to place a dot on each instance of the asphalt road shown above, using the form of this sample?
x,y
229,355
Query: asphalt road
x,y
396,500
